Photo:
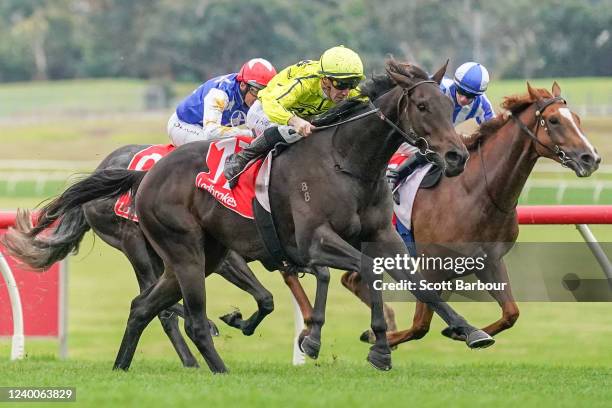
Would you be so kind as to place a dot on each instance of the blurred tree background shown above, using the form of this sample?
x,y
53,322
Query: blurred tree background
x,y
196,39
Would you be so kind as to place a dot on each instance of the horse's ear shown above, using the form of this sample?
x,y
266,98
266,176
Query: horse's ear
x,y
556,89
440,73
533,93
399,79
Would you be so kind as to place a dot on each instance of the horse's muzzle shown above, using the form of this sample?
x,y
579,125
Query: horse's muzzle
x,y
455,162
585,164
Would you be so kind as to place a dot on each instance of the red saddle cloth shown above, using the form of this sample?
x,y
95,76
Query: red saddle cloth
x,y
143,160
397,159
240,198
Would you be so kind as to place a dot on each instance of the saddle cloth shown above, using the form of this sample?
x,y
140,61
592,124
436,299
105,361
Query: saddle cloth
x,y
240,198
143,161
407,190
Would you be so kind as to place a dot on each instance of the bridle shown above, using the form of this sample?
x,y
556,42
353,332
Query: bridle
x,y
540,122
556,151
410,135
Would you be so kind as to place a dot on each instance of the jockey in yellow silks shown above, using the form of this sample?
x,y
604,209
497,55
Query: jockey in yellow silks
x,y
299,91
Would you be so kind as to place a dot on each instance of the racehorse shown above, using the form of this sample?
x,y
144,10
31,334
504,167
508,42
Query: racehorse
x,y
343,165
479,206
126,236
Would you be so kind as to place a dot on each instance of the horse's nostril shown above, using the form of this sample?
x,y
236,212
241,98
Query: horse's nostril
x,y
453,157
588,159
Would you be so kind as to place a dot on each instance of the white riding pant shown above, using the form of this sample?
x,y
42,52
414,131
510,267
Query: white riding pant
x,y
181,132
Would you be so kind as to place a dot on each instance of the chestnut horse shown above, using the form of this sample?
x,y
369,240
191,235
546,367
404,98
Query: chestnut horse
x,y
480,204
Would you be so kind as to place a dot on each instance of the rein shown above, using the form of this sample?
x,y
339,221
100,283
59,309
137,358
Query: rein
x,y
533,135
410,136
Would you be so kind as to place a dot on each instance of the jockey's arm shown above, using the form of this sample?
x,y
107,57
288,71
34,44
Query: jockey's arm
x,y
215,103
485,111
276,103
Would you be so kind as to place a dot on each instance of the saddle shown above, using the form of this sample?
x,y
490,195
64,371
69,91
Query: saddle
x,y
431,179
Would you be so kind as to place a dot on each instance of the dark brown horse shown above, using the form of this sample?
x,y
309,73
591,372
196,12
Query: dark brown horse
x,y
126,236
348,204
479,206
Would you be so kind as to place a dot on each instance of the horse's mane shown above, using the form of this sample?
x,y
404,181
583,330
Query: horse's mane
x,y
373,88
515,104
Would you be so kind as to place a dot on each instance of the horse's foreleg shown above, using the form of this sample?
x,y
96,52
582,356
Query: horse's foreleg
x,y
420,326
510,312
495,273
311,343
236,271
387,245
328,249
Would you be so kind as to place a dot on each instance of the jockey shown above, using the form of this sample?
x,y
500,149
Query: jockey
x,y
467,91
299,91
219,105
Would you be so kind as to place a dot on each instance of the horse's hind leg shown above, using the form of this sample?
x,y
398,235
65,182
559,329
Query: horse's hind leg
x,y
180,242
235,270
352,281
191,280
148,267
145,307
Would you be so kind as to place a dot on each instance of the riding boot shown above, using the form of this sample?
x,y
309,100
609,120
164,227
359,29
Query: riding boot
x,y
236,163
397,175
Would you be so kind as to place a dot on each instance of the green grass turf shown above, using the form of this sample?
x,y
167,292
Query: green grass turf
x,y
558,353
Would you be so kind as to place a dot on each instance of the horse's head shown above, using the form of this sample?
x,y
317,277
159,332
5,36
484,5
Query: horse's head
x,y
558,134
424,108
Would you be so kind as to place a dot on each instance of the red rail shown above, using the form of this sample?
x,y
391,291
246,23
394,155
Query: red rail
x,y
7,219
527,214
565,214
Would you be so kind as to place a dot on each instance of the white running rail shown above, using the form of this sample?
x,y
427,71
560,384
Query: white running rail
x,y
18,342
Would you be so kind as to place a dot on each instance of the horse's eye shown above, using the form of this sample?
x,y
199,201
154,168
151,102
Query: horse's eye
x,y
553,120
422,107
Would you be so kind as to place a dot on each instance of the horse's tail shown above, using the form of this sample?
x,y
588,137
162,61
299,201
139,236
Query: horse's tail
x,y
65,214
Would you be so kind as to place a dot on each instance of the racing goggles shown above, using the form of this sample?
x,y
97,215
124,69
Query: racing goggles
x,y
466,93
345,83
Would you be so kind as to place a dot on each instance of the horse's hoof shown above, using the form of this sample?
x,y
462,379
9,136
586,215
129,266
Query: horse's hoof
x,y
191,363
367,337
379,360
232,319
479,339
310,347
248,331
452,334
214,330
118,367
